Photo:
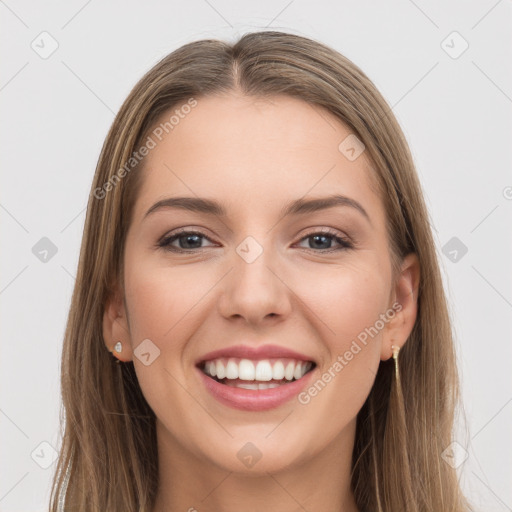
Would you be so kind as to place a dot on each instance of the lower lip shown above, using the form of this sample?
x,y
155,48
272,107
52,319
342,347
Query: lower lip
x,y
254,399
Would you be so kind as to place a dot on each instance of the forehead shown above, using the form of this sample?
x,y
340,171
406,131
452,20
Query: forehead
x,y
254,153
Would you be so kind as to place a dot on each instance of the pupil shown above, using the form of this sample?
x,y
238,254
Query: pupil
x,y
188,237
316,237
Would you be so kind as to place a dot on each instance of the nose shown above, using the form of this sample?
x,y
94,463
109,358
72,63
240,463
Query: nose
x,y
255,291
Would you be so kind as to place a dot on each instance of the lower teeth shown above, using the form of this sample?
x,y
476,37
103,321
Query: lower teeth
x,y
237,383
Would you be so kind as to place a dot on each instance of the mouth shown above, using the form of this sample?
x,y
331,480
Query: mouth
x,y
255,375
252,381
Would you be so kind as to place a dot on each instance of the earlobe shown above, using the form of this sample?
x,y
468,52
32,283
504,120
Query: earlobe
x,y
116,334
406,296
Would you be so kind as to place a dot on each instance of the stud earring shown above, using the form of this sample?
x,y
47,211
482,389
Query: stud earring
x,y
118,347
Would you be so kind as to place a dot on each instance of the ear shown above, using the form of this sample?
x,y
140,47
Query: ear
x,y
116,328
405,299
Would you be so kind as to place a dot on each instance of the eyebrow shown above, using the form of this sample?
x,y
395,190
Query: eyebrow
x,y
297,207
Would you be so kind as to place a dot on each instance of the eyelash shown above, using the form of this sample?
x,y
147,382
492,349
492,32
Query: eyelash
x,y
165,242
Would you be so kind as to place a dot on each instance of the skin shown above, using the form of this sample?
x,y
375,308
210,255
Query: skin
x,y
254,156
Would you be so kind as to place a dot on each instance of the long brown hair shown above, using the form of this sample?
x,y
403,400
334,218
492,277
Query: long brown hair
x,y
109,459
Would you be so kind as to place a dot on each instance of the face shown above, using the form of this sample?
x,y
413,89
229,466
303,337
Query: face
x,y
288,310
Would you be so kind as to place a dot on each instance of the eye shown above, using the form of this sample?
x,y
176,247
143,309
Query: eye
x,y
323,239
190,241
187,241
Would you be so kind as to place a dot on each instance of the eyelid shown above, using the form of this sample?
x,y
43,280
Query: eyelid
x,y
341,238
186,230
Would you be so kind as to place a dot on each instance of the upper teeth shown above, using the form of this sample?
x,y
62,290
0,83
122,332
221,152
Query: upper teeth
x,y
263,370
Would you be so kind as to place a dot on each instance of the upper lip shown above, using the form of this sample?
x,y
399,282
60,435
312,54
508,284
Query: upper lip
x,y
254,353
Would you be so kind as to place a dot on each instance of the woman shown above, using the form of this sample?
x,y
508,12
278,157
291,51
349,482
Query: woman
x,y
258,321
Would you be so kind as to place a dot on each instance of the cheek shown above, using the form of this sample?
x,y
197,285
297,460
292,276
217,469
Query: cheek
x,y
346,300
349,305
161,305
158,300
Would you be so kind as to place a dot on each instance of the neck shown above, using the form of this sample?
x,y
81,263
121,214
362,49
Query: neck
x,y
318,483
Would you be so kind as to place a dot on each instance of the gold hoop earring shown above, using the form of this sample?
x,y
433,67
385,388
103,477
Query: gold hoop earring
x,y
396,349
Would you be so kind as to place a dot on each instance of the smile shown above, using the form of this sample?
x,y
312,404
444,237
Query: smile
x,y
255,379
254,374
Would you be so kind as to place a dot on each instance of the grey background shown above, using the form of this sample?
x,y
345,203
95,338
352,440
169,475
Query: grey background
x,y
455,111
